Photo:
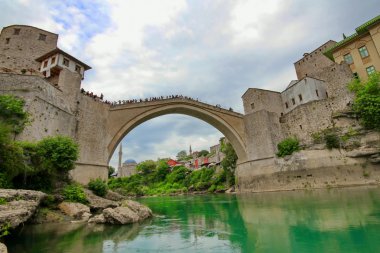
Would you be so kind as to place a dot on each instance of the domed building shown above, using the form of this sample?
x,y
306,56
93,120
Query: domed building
x,y
127,168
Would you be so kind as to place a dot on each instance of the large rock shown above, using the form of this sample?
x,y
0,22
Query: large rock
x,y
99,219
97,203
120,215
111,195
3,248
19,207
142,211
76,210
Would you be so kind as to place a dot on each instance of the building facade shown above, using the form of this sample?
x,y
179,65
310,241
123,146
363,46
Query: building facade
x,y
361,50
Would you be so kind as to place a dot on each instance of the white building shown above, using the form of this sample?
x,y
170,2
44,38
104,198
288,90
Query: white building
x,y
56,60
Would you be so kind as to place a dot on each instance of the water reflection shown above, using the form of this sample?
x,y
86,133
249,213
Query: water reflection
x,y
337,220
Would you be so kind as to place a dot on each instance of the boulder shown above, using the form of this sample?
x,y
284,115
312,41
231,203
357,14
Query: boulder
x,y
120,215
142,211
98,219
97,203
3,248
76,210
19,205
111,195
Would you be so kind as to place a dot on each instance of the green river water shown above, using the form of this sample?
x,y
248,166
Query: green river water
x,y
334,220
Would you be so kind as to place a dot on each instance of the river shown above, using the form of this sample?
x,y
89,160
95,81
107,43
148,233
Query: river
x,y
329,220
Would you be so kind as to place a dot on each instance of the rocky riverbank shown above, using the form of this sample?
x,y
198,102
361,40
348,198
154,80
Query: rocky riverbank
x,y
21,206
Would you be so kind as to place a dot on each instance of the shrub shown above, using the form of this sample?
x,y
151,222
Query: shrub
x,y
74,193
59,152
332,140
287,147
98,186
178,175
367,101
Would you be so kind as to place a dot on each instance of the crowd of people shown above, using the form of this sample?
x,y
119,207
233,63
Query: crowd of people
x,y
133,101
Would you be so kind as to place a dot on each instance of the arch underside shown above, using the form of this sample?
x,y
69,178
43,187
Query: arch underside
x,y
208,116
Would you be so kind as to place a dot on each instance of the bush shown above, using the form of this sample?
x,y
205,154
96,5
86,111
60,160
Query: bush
x,y
59,153
287,147
74,193
98,186
332,140
146,167
367,101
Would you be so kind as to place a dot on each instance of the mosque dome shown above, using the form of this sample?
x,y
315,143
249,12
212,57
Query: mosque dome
x,y
129,161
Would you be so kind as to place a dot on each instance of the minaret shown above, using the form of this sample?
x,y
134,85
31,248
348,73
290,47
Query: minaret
x,y
120,156
190,151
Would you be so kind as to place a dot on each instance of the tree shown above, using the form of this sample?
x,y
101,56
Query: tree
x,y
181,155
146,167
229,162
367,101
203,153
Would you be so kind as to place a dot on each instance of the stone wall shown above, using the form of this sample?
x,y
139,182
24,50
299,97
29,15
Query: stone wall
x,y
19,51
257,99
46,105
337,78
307,119
313,61
306,170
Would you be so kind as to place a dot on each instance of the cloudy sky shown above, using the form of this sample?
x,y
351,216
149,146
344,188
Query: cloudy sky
x,y
208,49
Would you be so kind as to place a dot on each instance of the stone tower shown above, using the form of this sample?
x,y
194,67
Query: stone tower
x,y
120,156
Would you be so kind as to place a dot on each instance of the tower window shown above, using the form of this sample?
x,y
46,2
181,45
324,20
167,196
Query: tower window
x,y
42,37
300,97
327,95
286,105
301,127
16,31
66,62
363,52
7,40
316,92
293,101
253,106
77,68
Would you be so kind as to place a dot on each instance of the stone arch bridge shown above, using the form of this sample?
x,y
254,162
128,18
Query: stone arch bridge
x,y
125,117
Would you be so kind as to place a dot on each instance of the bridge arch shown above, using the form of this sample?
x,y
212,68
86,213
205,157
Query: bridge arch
x,y
228,123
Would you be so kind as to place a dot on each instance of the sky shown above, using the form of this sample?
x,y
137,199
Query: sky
x,y
213,50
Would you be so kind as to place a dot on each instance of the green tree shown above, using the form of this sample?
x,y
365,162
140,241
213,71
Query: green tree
x,y
367,101
229,162
181,155
203,153
59,153
146,167
162,170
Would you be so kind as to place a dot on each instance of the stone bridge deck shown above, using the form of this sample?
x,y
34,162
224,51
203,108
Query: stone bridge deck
x,y
169,101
